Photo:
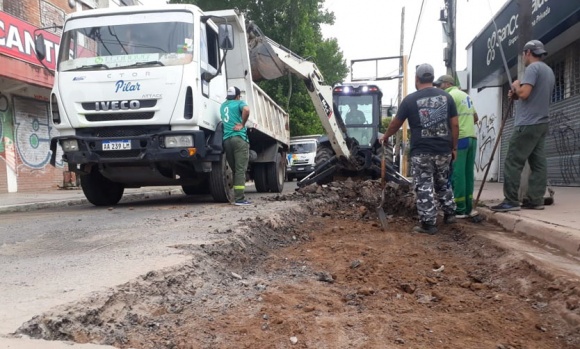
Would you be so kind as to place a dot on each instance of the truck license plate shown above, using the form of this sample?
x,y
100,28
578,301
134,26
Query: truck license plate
x,y
300,168
117,145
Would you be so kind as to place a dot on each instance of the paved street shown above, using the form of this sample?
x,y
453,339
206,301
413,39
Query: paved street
x,y
57,255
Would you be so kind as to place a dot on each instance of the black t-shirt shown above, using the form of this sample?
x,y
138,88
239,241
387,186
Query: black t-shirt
x,y
429,112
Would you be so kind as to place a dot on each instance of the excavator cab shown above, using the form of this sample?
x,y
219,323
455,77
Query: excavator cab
x,y
360,108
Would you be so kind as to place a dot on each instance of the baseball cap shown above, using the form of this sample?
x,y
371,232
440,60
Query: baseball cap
x,y
233,92
425,71
536,47
444,78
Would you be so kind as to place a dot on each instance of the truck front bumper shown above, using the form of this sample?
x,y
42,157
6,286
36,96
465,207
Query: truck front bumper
x,y
147,148
299,170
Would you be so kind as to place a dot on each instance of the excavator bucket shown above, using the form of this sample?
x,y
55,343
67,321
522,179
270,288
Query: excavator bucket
x,y
264,61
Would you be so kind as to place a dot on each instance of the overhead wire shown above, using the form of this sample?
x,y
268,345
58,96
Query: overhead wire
x,y
416,30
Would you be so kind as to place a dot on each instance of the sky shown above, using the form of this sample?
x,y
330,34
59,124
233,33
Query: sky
x,y
372,29
368,29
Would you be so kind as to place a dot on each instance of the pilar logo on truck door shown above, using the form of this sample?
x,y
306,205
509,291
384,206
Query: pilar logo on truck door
x,y
117,105
127,86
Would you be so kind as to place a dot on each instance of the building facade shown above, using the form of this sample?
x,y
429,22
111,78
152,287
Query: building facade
x,y
25,85
557,24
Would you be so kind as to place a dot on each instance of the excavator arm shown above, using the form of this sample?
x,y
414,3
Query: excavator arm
x,y
271,60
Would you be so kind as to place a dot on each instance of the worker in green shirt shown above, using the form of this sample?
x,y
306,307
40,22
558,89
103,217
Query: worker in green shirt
x,y
235,113
463,175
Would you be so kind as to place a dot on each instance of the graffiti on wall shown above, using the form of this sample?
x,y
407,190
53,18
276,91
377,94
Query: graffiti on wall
x,y
33,133
486,136
7,148
567,143
25,130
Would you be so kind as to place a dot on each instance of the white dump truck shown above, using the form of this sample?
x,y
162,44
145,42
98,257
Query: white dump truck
x,y
136,101
301,156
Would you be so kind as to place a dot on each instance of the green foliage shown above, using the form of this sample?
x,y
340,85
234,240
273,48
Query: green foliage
x,y
385,122
294,24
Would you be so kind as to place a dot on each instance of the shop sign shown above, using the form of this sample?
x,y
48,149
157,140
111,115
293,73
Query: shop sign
x,y
548,16
17,40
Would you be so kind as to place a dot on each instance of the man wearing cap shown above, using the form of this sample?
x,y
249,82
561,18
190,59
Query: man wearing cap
x,y
235,113
533,96
432,117
463,168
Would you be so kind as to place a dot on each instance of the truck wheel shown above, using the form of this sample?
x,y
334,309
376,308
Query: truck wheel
x,y
260,179
276,172
99,190
324,153
221,181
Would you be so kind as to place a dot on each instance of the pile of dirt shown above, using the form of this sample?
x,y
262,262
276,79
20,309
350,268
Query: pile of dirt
x,y
348,194
326,276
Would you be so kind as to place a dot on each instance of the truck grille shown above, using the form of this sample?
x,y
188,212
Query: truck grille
x,y
143,103
121,154
119,116
120,132
300,162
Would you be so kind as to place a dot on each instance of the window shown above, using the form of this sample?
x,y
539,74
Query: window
x,y
566,67
213,53
559,91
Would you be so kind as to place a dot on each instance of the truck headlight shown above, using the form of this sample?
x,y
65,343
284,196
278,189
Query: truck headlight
x,y
70,145
178,141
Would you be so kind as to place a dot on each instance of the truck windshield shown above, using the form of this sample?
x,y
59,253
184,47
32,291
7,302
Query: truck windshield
x,y
136,40
302,148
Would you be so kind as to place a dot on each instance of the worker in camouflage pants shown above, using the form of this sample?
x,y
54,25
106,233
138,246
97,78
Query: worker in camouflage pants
x,y
432,117
431,177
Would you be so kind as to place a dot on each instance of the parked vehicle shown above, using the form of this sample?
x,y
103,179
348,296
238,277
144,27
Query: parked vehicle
x,y
301,156
136,100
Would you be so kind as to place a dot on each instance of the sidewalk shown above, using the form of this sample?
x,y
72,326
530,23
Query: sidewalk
x,y
557,225
20,202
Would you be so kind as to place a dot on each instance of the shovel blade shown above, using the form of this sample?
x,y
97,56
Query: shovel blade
x,y
382,217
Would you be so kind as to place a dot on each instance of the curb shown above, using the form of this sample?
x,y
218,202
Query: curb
x,y
564,238
82,201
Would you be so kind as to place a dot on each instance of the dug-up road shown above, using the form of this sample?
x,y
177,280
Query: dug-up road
x,y
310,269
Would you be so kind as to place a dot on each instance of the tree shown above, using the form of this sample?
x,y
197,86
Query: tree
x,y
295,24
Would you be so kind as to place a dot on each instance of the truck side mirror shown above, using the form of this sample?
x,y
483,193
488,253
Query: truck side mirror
x,y
226,36
39,47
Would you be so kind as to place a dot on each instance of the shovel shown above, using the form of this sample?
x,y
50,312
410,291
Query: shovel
x,y
380,211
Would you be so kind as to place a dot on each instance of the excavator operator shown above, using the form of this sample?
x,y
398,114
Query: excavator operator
x,y
355,116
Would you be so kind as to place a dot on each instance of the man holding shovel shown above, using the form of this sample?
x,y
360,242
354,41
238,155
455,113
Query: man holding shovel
x,y
533,96
432,116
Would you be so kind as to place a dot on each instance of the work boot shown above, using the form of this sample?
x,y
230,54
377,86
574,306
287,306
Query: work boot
x,y
449,219
505,207
426,228
530,206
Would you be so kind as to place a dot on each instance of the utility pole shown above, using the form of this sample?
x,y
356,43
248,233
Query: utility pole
x,y
448,17
400,95
401,53
404,170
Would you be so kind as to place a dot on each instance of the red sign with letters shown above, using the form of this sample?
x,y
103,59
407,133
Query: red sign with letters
x,y
17,40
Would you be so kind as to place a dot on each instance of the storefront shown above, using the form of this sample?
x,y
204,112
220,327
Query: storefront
x,y
25,129
25,85
556,24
